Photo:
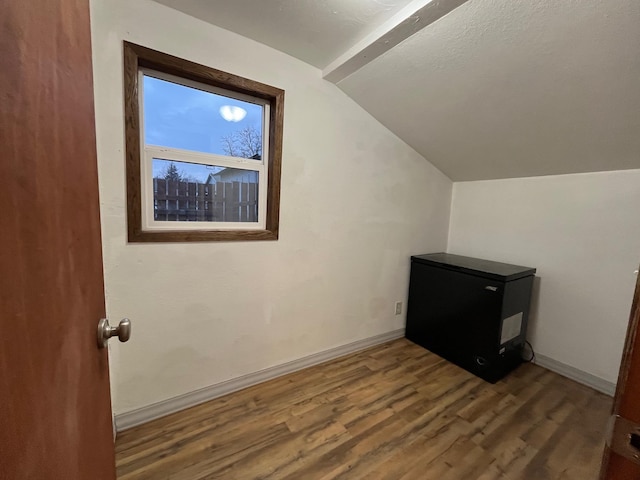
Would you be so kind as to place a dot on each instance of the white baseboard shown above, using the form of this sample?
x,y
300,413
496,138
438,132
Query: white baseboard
x,y
191,399
579,376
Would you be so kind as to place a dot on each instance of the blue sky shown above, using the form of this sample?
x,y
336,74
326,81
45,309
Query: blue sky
x,y
183,117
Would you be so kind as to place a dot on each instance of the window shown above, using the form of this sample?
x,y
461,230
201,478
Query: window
x,y
203,151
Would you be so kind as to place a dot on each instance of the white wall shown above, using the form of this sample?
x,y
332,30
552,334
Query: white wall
x,y
582,233
356,203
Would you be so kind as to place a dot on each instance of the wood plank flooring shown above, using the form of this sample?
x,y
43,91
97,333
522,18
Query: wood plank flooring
x,y
395,411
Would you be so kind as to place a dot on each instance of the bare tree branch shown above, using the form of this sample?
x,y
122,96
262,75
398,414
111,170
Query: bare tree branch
x,y
246,142
229,144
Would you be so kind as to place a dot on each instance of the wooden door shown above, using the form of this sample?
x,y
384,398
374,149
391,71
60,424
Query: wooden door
x,y
617,463
55,414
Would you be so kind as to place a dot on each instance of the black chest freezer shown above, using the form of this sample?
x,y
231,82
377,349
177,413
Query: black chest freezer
x,y
470,311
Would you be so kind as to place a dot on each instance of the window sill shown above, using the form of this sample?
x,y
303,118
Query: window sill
x,y
177,236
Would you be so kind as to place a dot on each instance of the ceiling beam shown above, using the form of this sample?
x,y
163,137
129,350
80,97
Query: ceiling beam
x,y
411,19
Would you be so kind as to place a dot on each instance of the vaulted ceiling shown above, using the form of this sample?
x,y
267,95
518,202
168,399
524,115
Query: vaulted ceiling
x,y
481,88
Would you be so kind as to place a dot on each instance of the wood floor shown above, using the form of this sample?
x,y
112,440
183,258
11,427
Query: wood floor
x,y
395,411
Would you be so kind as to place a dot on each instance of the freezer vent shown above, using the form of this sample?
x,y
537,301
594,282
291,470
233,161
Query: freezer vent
x,y
511,328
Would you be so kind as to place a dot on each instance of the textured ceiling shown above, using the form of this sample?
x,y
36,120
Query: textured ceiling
x,y
315,31
501,89
493,89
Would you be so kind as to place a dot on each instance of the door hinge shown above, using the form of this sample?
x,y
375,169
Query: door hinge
x,y
623,437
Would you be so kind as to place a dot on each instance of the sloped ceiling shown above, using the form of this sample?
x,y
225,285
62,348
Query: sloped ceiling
x,y
315,31
493,89
501,89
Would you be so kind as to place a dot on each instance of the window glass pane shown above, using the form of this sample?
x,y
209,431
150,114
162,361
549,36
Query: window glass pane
x,y
191,192
177,116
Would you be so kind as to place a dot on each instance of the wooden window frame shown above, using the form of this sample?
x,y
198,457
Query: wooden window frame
x,y
137,57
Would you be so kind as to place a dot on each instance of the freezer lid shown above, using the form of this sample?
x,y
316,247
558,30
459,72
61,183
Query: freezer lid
x,y
475,266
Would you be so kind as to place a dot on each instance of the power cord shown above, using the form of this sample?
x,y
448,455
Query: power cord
x,y
532,358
